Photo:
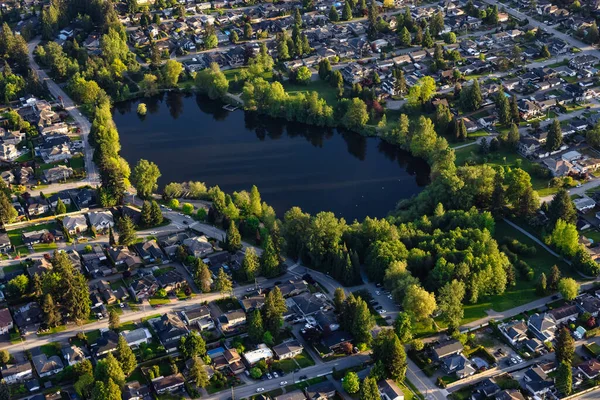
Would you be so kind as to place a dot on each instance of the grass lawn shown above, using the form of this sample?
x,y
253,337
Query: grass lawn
x,y
51,349
77,163
158,301
304,360
15,236
524,291
116,308
593,348
324,89
288,365
151,317
592,234
127,326
25,157
137,375
13,268
44,246
228,304
93,336
56,329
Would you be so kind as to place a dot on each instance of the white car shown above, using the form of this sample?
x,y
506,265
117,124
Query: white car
x,y
381,311
275,374
519,359
283,383
153,233
249,289
377,292
258,390
269,376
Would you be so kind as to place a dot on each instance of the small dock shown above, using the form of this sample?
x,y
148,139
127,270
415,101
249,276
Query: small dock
x,y
230,107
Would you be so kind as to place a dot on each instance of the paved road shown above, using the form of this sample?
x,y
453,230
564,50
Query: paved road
x,y
577,190
83,123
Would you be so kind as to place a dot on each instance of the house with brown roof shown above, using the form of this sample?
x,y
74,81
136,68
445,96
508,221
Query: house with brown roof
x,y
170,383
564,313
288,350
590,368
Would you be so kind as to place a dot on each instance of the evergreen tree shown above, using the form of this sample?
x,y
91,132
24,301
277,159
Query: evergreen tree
x,y
427,39
223,282
111,237
146,214
405,38
372,18
4,391
554,139
60,207
126,228
125,356
401,83
565,346
273,311
461,131
109,369
403,327
324,69
255,327
544,52
339,296
369,390
363,323
157,216
333,14
555,276
513,135
297,17
51,313
561,207
514,109
564,378
113,320
192,345
233,240
542,285
251,264
347,11
388,350
269,259
198,373
503,108
498,200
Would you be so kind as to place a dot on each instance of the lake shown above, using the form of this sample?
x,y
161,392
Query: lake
x,y
191,137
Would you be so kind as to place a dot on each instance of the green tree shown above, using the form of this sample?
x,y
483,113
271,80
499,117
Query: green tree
x,y
565,346
565,238
269,259
18,286
347,11
405,37
114,321
303,75
419,303
388,350
369,390
250,264
234,38
333,14
192,345
126,229
223,282
51,313
339,296
274,309
8,213
84,385
403,327
145,178
363,323
212,81
233,240
544,52
561,207
568,288
554,139
324,69
4,356
450,299
513,135
351,382
109,369
146,214
60,207
171,72
564,378
255,327
356,115
248,32
542,286
422,91
554,278
125,356
198,373
503,108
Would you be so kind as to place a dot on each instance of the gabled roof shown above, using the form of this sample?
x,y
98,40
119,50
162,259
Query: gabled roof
x,y
287,347
447,348
44,364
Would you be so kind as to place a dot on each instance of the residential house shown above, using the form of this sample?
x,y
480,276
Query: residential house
x,y
75,354
252,303
5,245
485,389
457,364
40,266
28,317
229,359
588,304
18,372
47,366
8,152
558,167
171,280
75,224
198,246
534,345
101,220
514,331
564,313
169,328
149,251
293,287
36,206
509,394
62,196
321,391
83,198
287,350
232,319
6,321
169,383
542,326
199,316
327,321
123,257
137,336
143,287
135,391
263,352
106,343
308,304
590,368
335,340
389,390
536,381
583,61
446,349
58,173
293,395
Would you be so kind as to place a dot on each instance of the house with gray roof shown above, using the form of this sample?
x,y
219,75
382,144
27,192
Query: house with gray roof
x,y
75,224
101,220
47,366
136,337
169,328
75,354
542,326
18,372
445,349
287,350
458,364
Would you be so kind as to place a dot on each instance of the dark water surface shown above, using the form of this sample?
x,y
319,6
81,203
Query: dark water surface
x,y
191,137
